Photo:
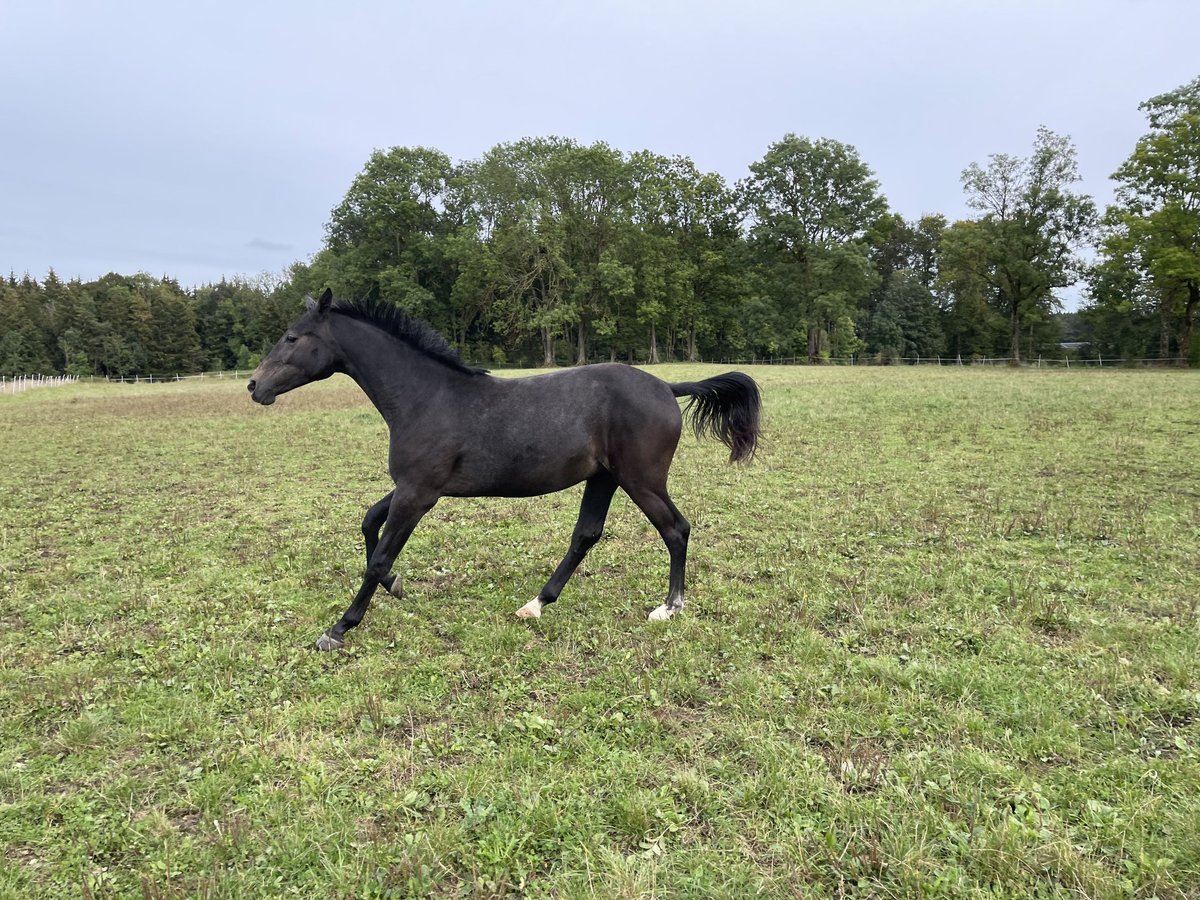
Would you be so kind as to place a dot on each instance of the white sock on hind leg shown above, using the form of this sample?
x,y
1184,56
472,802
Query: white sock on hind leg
x,y
532,609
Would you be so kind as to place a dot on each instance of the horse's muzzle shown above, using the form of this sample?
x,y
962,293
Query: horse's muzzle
x,y
266,400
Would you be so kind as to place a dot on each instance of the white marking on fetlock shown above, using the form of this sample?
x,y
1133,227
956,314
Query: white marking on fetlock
x,y
532,609
662,613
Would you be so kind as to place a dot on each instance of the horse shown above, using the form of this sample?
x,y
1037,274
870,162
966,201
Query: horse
x,y
457,431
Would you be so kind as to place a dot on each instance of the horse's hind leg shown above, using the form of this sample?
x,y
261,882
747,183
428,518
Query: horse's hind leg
x,y
372,522
674,529
593,509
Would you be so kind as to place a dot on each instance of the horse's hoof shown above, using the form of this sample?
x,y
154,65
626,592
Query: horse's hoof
x,y
328,642
662,613
396,589
531,610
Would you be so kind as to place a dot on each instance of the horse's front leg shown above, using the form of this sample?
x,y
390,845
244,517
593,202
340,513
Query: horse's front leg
x,y
372,522
404,512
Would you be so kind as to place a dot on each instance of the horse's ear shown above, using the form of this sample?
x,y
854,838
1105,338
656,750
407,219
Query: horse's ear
x,y
326,300
309,303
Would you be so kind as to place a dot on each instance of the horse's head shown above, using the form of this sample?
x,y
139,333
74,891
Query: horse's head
x,y
305,353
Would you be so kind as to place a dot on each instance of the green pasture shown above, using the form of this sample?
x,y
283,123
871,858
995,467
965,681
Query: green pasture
x,y
941,640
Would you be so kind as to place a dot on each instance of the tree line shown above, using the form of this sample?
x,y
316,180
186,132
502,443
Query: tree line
x,y
545,252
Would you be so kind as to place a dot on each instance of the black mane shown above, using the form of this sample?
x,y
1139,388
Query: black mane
x,y
419,335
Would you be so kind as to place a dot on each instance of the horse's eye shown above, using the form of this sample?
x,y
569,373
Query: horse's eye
x,y
290,338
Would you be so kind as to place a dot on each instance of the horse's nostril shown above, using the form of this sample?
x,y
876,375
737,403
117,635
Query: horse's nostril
x,y
250,386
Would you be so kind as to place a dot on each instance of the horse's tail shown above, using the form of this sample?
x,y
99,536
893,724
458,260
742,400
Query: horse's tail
x,y
725,407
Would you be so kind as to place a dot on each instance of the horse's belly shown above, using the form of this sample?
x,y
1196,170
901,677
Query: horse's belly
x,y
524,478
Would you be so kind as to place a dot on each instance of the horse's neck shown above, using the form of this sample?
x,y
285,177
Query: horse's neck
x,y
393,375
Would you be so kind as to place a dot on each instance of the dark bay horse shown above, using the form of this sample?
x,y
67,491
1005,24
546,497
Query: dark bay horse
x,y
456,431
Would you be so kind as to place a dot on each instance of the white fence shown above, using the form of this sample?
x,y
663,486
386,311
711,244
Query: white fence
x,y
18,383
27,382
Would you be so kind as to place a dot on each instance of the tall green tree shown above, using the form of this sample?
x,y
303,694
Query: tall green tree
x,y
1123,317
525,264
971,320
122,306
549,211
25,338
686,229
174,346
713,245
72,316
14,349
1031,229
811,206
1153,230
589,192
662,274
386,237
900,317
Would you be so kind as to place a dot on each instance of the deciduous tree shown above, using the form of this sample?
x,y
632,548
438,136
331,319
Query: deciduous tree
x,y
1031,229
1153,230
811,204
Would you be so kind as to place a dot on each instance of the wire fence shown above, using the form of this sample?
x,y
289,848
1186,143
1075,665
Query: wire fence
x,y
160,379
1041,362
19,383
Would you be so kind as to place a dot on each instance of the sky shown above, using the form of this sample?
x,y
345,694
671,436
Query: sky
x,y
209,140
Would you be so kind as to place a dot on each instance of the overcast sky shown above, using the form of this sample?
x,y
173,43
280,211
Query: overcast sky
x,y
212,139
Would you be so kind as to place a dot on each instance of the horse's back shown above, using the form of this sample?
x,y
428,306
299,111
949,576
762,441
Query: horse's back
x,y
605,394
629,416
545,432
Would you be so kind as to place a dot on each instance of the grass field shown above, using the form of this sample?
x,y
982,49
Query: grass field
x,y
941,639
